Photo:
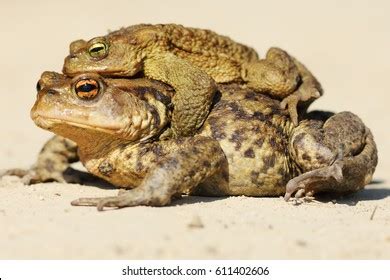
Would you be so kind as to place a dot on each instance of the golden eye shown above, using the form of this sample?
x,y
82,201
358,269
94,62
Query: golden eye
x,y
98,50
87,88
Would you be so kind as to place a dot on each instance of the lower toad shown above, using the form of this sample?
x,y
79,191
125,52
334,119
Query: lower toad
x,y
247,146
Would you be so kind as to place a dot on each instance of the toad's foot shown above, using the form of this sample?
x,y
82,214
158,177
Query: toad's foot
x,y
27,176
37,175
306,183
128,198
301,95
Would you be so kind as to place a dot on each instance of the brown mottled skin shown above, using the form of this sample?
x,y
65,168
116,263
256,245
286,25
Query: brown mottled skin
x,y
190,60
247,146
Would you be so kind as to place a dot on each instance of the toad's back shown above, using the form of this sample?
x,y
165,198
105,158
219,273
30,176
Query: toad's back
x,y
254,135
218,55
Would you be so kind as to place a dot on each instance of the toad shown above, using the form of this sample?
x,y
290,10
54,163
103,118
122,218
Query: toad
x,y
247,145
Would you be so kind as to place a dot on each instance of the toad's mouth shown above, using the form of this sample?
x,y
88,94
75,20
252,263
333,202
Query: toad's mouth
x,y
104,70
49,123
56,125
112,74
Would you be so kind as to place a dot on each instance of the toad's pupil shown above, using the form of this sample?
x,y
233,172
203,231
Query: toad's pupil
x,y
97,49
87,87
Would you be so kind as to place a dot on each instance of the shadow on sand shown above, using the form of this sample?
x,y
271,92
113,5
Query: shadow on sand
x,y
367,194
87,179
371,192
195,199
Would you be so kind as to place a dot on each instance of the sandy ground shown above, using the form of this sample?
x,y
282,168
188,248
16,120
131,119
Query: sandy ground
x,y
346,44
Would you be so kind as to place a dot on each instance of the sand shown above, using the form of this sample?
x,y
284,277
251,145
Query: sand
x,y
345,44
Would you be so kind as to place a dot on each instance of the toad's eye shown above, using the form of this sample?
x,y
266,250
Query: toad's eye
x,y
87,88
98,50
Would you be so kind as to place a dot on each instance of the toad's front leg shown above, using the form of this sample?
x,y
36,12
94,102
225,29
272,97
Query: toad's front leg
x,y
53,160
194,90
192,161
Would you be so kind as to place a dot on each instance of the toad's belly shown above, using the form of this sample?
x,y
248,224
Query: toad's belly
x,y
255,170
255,145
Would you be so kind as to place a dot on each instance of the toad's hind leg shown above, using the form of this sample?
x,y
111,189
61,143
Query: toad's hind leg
x,y
284,78
276,74
309,90
337,156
